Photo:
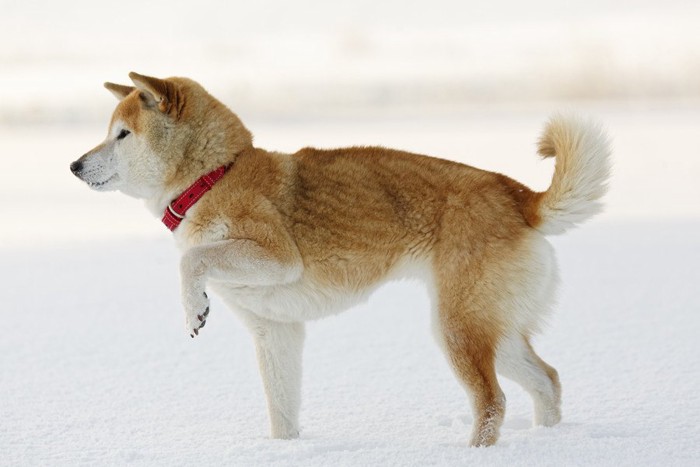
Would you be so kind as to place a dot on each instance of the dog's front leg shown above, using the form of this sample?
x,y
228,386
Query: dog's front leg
x,y
279,351
239,261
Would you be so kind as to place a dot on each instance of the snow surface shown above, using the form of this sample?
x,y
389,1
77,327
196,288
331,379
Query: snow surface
x,y
95,368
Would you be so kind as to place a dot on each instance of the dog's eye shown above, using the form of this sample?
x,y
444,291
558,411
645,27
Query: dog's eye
x,y
123,134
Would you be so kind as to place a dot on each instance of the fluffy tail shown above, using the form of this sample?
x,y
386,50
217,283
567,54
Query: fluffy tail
x,y
581,171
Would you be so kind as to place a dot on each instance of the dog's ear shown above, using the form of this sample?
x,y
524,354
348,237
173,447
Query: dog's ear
x,y
119,91
155,92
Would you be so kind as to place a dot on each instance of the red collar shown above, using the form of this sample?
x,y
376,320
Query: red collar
x,y
177,209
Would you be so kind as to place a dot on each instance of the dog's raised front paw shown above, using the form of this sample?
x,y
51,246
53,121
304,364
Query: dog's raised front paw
x,y
196,312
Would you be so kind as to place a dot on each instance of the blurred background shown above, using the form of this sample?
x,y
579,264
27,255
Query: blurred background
x,y
275,58
465,80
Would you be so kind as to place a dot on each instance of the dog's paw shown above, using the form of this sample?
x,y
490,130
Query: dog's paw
x,y
196,312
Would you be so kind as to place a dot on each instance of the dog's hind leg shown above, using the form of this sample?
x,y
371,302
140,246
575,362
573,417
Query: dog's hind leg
x,y
536,277
469,339
279,350
517,360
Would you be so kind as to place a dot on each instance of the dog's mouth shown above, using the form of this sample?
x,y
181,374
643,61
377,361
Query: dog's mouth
x,y
98,185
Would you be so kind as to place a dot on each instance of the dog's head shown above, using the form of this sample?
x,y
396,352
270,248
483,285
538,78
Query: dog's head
x,y
163,133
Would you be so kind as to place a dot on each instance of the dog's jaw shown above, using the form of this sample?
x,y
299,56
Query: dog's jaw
x,y
110,184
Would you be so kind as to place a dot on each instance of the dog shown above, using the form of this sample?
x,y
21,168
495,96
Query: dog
x,y
288,238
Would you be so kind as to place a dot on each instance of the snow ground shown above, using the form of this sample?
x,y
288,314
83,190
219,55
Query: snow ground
x,y
97,370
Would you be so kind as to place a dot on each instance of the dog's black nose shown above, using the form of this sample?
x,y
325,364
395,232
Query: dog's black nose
x,y
76,167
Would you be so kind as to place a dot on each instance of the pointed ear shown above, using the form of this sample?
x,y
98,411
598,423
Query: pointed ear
x,y
119,91
155,92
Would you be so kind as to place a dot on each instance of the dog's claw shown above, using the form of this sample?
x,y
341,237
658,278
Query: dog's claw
x,y
196,311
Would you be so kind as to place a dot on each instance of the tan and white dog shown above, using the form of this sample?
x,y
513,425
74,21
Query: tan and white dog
x,y
287,238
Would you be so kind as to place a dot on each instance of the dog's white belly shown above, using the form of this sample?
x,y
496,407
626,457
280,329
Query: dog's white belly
x,y
305,299
298,301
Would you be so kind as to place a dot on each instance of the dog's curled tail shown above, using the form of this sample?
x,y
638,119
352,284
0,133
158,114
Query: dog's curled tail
x,y
581,171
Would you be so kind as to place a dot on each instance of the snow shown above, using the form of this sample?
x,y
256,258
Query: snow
x,y
98,369
95,368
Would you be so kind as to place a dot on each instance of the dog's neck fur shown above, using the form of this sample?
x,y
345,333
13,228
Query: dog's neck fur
x,y
217,144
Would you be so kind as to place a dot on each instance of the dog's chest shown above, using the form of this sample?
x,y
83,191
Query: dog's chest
x,y
189,235
303,299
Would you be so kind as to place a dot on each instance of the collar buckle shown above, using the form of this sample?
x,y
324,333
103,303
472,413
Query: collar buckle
x,y
172,211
